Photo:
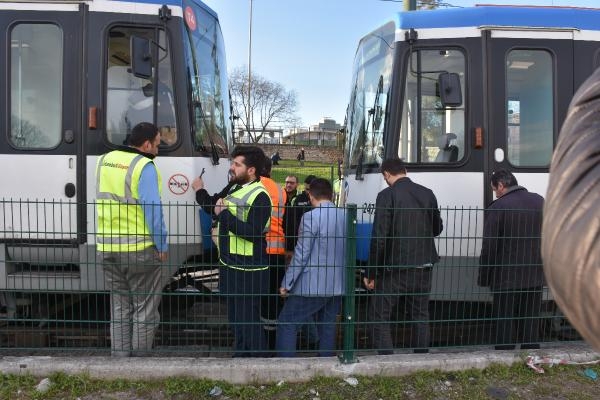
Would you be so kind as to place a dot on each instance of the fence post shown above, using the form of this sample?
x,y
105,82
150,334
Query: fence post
x,y
349,299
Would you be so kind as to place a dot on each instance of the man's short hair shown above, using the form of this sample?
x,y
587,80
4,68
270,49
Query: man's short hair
x,y
308,180
253,157
142,132
394,166
266,171
321,189
505,177
293,176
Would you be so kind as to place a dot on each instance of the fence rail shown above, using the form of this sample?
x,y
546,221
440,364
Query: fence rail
x,y
44,305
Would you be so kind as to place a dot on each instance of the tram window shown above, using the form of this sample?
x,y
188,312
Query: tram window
x,y
367,110
36,69
131,100
529,108
430,132
205,57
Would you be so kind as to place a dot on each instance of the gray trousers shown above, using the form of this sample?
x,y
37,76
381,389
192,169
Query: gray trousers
x,y
134,281
412,285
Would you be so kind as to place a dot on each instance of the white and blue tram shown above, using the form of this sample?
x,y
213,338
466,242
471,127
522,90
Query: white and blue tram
x,y
76,77
459,93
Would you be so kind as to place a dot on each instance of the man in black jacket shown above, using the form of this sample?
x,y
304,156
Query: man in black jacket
x,y
511,263
401,257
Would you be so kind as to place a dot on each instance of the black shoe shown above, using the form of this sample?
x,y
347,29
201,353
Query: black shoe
x,y
530,346
420,351
505,347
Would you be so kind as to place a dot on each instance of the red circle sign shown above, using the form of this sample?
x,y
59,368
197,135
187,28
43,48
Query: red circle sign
x,y
190,18
178,184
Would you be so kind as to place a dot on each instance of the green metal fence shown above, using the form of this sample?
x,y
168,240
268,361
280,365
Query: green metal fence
x,y
54,297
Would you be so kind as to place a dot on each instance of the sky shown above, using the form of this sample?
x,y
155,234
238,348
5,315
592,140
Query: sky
x,y
308,45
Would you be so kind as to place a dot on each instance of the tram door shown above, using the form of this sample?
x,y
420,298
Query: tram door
x,y
40,148
530,86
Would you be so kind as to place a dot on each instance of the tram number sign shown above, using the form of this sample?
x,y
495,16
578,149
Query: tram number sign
x,y
179,184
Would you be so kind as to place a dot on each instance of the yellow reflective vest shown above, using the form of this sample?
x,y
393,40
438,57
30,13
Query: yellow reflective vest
x,y
121,223
238,203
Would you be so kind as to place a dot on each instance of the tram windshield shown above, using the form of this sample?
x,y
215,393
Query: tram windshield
x,y
207,73
367,110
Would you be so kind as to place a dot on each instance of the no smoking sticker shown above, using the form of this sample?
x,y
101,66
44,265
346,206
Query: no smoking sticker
x,y
178,184
190,18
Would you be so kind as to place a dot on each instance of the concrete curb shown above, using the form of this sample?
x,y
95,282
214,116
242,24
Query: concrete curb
x,y
242,371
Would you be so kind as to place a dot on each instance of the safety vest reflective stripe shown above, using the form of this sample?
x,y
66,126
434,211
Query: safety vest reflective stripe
x,y
245,269
121,222
112,196
128,197
129,239
275,236
242,203
238,203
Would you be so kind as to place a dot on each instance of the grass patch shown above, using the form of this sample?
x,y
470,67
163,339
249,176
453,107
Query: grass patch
x,y
291,167
516,381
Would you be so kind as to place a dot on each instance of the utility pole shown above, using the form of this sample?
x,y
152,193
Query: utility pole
x,y
248,116
410,5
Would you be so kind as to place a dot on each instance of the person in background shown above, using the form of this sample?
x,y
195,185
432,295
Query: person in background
x,y
291,189
132,239
301,157
402,255
511,261
314,282
293,214
275,158
243,217
276,252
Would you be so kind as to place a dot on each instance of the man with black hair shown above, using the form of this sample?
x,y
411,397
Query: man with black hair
x,y
402,255
293,215
511,261
243,217
132,238
314,281
291,189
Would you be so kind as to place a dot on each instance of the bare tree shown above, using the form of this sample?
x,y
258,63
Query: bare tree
x,y
270,103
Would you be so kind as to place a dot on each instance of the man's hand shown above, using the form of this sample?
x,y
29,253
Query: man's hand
x,y
283,292
369,283
163,256
219,206
288,257
197,184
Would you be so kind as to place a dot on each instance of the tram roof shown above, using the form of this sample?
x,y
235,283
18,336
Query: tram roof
x,y
505,16
173,3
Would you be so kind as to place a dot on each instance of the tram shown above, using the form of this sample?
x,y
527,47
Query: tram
x,y
457,94
77,76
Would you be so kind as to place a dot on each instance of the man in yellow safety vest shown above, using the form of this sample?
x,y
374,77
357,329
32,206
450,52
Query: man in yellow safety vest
x,y
132,239
243,218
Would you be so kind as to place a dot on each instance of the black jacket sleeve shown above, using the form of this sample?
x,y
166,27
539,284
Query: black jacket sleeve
x,y
382,228
207,202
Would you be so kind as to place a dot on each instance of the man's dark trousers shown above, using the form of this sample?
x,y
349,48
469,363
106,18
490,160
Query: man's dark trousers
x,y
410,284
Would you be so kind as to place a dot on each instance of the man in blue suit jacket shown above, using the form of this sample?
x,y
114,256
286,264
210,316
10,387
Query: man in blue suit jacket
x,y
314,282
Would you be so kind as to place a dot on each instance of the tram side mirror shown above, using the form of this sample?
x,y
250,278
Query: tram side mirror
x,y
141,57
450,91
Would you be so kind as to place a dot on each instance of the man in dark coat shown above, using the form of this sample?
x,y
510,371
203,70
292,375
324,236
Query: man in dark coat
x,y
401,257
511,263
